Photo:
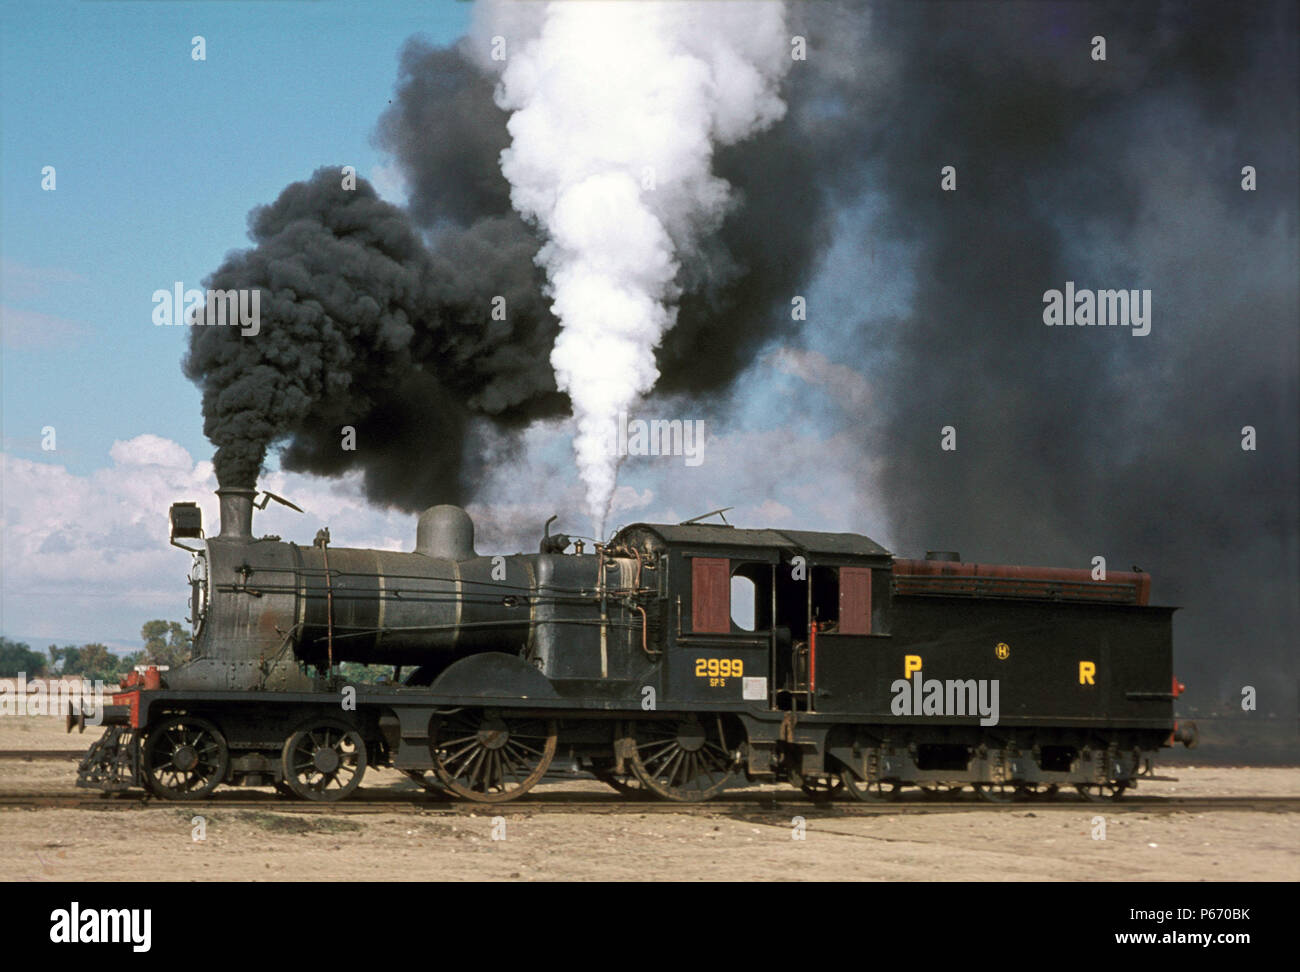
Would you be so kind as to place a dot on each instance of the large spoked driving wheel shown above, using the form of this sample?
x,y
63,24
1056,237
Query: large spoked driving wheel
x,y
685,760
185,757
324,762
869,791
490,758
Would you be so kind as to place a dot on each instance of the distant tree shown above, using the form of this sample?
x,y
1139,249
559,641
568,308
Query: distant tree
x,y
93,661
359,674
166,643
16,656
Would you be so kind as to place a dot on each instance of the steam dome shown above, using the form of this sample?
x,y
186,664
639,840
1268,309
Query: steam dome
x,y
445,532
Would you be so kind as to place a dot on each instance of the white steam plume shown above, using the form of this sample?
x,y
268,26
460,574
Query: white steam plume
x,y
616,110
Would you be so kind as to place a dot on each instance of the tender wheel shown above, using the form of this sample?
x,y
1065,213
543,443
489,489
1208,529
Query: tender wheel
x,y
490,758
825,786
684,760
998,792
932,791
324,762
869,792
1030,791
185,757
1101,792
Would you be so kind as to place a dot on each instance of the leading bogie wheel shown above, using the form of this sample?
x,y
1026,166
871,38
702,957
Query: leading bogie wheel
x,y
185,757
997,792
324,761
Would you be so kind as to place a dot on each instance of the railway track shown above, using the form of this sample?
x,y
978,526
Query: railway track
x,y
765,803
760,805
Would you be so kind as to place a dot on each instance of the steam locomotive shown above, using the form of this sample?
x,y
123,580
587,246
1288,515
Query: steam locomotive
x,y
672,661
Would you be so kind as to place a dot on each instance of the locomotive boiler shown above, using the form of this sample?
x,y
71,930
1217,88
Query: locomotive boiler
x,y
267,611
671,661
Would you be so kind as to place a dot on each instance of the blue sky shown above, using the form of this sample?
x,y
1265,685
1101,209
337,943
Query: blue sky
x,y
159,159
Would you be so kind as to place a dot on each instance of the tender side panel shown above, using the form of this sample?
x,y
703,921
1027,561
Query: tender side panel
x,y
1054,663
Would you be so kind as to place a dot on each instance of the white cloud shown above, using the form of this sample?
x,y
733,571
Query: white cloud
x,y
151,450
87,558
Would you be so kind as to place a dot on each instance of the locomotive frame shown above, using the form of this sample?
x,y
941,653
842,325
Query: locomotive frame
x,y
637,663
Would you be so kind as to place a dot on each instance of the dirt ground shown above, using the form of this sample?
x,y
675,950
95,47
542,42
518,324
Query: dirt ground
x,y
966,841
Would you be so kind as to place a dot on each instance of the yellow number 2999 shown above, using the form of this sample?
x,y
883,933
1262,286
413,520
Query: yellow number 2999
x,y
719,667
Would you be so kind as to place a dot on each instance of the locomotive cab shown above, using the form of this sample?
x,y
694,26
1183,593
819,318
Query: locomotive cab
x,y
750,611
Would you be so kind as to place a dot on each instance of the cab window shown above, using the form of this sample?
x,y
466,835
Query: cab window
x,y
841,598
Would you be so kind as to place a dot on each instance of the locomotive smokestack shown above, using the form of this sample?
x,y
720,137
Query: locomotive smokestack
x,y
236,512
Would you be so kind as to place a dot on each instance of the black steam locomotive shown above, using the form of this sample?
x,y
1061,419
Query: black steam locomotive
x,y
673,661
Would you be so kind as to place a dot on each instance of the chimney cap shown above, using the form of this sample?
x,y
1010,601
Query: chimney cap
x,y
236,512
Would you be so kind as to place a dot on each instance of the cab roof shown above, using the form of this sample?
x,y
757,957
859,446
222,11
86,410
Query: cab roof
x,y
799,541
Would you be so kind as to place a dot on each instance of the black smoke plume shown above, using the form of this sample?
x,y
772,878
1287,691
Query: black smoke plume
x,y
379,317
1127,173
364,325
1071,442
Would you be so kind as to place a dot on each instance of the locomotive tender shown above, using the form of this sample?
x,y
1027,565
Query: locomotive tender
x,y
672,661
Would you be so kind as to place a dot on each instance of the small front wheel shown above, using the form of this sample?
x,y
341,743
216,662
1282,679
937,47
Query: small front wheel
x,y
185,757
